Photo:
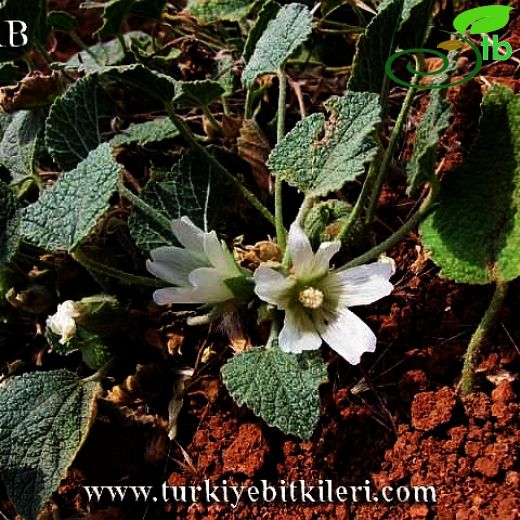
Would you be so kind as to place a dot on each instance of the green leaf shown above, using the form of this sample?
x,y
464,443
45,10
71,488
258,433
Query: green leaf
x,y
68,211
320,156
157,85
225,74
210,11
106,54
142,134
281,388
484,19
44,422
416,22
76,120
9,221
434,122
474,234
19,143
409,18
114,15
62,21
268,11
33,13
198,93
283,35
374,48
189,188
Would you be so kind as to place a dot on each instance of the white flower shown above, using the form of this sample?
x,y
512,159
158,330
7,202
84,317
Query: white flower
x,y
63,322
200,269
316,300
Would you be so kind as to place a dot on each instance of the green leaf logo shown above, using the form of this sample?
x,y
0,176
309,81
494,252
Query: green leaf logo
x,y
487,18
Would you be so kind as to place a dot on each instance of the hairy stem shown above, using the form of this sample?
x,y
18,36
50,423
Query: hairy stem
x,y
347,227
93,265
212,121
389,152
393,239
467,380
278,186
248,109
190,139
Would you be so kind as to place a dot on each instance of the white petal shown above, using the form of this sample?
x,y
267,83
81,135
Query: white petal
x,y
324,255
210,285
206,288
189,235
345,333
219,256
300,248
273,287
298,332
173,264
360,285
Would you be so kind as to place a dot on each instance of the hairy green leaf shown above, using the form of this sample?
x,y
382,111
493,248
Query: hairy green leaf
x,y
68,211
9,221
409,18
373,49
189,188
283,35
106,54
114,15
33,14
210,11
138,77
62,21
44,422
320,156
279,387
19,143
145,133
487,18
268,11
434,122
474,234
76,121
198,93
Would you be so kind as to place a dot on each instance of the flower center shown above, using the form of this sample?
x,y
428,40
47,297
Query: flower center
x,y
311,298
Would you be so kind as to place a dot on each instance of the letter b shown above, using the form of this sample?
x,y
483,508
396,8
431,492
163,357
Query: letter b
x,y
20,33
505,45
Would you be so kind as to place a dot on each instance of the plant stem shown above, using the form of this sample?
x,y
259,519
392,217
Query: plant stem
x,y
94,265
361,200
81,44
276,326
122,42
150,212
44,53
389,152
212,121
248,109
467,380
190,139
393,239
278,187
103,371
